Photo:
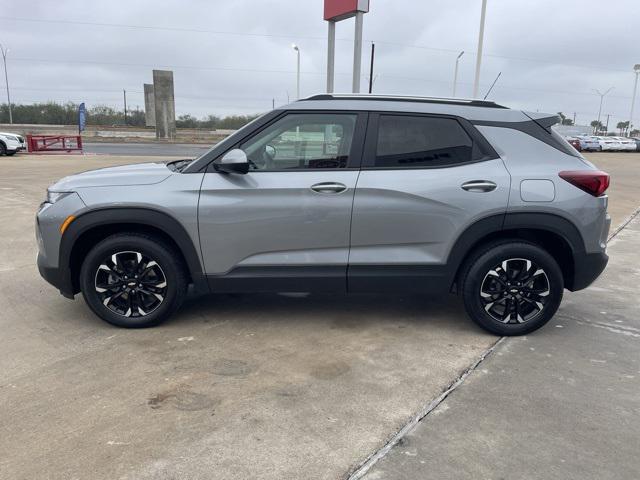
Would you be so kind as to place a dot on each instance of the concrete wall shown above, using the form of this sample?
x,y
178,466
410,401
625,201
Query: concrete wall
x,y
164,104
149,106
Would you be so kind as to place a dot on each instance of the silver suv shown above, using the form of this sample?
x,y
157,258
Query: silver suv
x,y
341,193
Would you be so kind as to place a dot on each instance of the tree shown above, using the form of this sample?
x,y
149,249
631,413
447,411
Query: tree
x,y
564,120
634,133
597,126
622,126
187,121
51,113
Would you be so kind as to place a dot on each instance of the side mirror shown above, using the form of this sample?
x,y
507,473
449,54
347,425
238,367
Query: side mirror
x,y
234,161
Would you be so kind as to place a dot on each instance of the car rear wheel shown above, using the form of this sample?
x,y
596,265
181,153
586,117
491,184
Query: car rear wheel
x,y
133,280
512,288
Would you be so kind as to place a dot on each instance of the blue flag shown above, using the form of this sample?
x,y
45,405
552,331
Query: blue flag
x,y
82,117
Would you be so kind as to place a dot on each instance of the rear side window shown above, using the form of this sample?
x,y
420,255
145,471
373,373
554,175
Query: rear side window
x,y
413,141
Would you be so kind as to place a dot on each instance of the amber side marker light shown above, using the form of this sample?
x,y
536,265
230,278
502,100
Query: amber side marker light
x,y
66,223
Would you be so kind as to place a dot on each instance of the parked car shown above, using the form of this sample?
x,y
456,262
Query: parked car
x,y
637,140
589,143
575,143
609,144
626,144
341,193
10,143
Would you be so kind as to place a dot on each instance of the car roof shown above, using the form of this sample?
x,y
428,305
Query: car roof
x,y
471,109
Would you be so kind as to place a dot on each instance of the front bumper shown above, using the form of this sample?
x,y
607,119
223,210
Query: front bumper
x,y
58,277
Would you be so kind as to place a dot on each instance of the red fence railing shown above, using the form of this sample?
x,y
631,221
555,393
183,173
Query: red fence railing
x,y
54,143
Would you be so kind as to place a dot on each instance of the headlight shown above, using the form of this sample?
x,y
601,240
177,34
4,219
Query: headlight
x,y
53,197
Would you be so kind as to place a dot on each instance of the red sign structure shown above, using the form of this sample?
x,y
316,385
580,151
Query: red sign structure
x,y
336,10
54,143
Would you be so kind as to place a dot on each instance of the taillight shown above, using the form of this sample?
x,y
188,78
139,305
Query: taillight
x,y
594,182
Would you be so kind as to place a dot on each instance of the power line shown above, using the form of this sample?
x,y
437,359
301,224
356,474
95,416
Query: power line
x,y
296,36
153,27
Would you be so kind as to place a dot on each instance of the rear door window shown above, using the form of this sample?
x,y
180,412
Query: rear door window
x,y
406,141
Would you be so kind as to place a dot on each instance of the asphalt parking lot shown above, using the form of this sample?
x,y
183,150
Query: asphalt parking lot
x,y
281,387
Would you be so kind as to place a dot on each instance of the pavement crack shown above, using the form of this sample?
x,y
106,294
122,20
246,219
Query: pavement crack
x,y
398,437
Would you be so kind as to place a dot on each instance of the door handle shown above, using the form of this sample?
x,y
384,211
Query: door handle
x,y
328,187
479,186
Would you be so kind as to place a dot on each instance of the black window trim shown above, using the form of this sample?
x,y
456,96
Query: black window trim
x,y
482,150
357,143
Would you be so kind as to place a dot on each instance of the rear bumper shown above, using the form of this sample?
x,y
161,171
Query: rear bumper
x,y
588,267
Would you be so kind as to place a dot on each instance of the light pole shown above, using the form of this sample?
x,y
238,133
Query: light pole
x,y
636,69
295,47
455,73
6,80
476,83
602,95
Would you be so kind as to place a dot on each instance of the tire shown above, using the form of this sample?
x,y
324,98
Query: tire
x,y
133,280
3,149
515,300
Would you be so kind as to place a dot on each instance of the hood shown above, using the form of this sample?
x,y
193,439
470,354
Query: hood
x,y
137,174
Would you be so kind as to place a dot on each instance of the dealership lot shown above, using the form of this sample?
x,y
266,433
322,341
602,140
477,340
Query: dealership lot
x,y
241,385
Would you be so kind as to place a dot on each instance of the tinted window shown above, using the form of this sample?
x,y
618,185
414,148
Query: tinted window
x,y
405,142
302,141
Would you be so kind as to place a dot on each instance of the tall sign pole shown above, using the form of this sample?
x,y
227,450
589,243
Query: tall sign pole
x,y
335,11
331,55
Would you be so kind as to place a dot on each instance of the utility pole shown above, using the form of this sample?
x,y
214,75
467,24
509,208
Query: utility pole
x,y
455,74
373,54
6,80
124,92
636,69
574,118
273,104
476,83
606,128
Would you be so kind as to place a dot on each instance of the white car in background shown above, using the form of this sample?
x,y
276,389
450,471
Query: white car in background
x,y
10,143
589,143
610,144
626,144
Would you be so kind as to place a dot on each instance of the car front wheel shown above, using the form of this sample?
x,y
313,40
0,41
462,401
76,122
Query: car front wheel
x,y
512,288
133,280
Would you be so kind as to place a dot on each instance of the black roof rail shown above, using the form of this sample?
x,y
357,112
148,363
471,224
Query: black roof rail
x,y
400,98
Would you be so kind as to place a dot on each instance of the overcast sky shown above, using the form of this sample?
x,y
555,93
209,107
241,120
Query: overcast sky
x,y
236,56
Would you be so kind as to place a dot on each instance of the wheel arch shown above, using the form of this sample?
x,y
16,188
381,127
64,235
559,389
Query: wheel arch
x,y
554,233
91,227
